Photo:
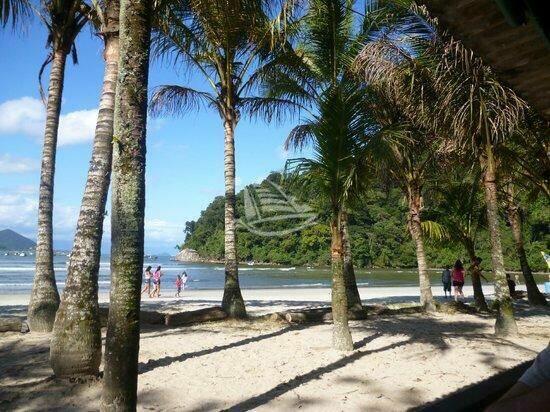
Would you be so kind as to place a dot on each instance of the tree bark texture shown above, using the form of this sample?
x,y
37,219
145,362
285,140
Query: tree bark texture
x,y
341,336
352,293
44,299
232,302
415,229
534,295
75,348
475,273
505,323
127,208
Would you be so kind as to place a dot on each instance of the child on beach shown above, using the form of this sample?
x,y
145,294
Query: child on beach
x,y
179,284
156,281
458,279
147,279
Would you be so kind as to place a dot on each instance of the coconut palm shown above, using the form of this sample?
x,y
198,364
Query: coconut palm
x,y
64,20
317,73
338,170
226,42
75,348
458,208
409,155
128,207
453,93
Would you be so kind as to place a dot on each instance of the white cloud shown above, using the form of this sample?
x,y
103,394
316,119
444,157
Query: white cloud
x,y
158,230
12,164
77,127
27,116
19,208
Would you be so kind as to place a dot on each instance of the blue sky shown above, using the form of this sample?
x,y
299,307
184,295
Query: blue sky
x,y
184,159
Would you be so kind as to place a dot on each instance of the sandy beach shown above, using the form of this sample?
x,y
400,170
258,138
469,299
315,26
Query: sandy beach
x,y
399,361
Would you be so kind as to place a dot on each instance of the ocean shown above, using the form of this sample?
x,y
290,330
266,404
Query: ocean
x,y
16,275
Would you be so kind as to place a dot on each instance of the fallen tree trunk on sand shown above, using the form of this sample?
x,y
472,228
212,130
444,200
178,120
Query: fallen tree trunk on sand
x,y
13,324
317,315
195,316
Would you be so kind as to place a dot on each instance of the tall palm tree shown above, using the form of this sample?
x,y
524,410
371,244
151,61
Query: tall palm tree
x,y
128,207
75,348
458,208
317,73
64,19
331,34
227,42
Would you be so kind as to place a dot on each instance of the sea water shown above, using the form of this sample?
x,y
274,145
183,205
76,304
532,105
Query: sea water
x,y
17,272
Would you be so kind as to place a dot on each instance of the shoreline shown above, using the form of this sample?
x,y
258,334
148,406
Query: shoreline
x,y
261,301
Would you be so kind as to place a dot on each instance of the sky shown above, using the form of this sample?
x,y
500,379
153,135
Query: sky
x,y
184,169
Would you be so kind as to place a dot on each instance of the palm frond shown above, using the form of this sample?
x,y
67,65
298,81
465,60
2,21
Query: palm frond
x,y
268,108
17,11
178,100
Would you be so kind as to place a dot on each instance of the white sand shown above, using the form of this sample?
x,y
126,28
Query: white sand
x,y
400,360
265,300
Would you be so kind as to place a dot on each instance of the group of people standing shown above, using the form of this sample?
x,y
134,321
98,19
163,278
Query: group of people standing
x,y
456,276
155,278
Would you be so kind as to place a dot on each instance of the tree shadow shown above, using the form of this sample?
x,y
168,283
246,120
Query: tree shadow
x,y
167,360
316,373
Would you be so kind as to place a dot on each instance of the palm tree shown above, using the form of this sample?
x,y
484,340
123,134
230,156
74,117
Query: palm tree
x,y
75,348
128,207
228,43
64,19
339,170
515,216
458,209
317,73
453,93
408,155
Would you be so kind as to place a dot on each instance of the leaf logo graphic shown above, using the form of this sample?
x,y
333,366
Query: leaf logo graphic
x,y
265,205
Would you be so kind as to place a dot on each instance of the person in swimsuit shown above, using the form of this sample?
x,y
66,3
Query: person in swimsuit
x,y
156,281
179,283
147,276
457,276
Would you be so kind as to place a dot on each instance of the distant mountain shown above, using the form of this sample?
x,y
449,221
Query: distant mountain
x,y
10,240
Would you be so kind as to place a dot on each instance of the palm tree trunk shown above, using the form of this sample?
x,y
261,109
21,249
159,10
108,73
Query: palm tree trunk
x,y
127,208
44,299
352,293
415,229
479,297
535,297
232,301
341,336
505,324
75,348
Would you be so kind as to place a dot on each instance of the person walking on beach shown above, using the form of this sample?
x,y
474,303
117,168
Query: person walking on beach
x,y
184,279
156,281
179,284
458,279
446,280
147,276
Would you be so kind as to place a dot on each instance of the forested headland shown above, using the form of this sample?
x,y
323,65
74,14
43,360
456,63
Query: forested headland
x,y
378,232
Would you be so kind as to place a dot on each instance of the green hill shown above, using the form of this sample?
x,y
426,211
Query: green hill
x,y
10,240
378,233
